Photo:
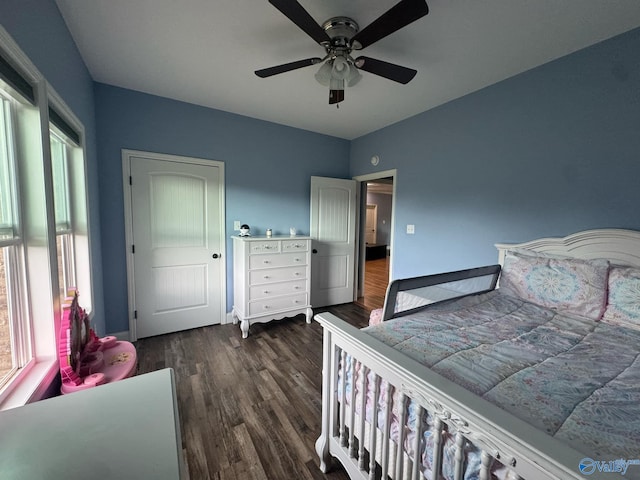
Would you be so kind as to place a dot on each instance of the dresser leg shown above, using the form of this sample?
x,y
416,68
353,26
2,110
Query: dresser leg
x,y
244,326
309,315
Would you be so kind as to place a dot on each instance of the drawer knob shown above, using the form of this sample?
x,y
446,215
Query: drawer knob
x,y
265,277
265,261
266,292
297,274
266,307
297,259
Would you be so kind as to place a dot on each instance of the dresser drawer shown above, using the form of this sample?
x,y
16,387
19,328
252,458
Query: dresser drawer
x,y
276,289
264,247
277,260
259,277
277,303
295,245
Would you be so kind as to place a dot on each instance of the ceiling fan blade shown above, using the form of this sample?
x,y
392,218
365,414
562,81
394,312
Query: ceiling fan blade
x,y
287,67
385,69
399,16
298,15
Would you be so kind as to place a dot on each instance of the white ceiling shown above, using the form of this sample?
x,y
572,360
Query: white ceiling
x,y
205,52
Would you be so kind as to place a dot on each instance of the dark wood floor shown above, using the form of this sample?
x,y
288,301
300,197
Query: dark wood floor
x,y
249,409
376,279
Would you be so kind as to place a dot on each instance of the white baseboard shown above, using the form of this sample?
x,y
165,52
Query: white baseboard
x,y
123,336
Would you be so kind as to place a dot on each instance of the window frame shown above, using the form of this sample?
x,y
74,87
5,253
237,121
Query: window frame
x,y
65,244
12,245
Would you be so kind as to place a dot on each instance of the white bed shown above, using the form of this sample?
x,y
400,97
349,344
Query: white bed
x,y
460,417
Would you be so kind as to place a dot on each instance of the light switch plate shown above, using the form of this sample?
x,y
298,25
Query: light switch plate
x,y
236,225
411,229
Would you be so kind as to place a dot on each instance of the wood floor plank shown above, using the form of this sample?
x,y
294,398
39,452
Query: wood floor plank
x,y
251,461
298,446
195,456
249,408
376,280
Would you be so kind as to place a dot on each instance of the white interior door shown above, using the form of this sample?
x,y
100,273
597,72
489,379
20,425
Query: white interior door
x,y
371,225
333,230
178,237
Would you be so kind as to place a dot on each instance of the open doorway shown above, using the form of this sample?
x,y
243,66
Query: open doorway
x,y
376,231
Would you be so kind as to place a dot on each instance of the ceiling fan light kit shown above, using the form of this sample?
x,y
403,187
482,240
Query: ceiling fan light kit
x,y
339,36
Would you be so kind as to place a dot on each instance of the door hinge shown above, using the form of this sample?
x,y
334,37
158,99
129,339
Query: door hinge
x,y
130,180
135,314
133,249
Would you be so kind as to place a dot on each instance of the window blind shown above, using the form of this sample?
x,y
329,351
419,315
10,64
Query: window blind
x,y
16,81
65,128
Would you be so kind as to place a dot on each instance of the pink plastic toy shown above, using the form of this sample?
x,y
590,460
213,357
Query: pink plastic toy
x,y
87,361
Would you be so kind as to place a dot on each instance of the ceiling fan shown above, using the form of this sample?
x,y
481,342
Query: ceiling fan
x,y
340,36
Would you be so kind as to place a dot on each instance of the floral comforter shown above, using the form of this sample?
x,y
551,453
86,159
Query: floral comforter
x,y
574,378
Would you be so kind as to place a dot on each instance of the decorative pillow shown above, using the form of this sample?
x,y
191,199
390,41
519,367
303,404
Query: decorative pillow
x,y
623,305
562,283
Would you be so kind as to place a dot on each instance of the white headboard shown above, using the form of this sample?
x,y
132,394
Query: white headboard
x,y
620,247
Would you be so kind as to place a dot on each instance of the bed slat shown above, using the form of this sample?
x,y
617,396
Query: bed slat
x,y
373,429
387,432
352,417
343,398
437,446
364,371
485,467
459,470
416,443
402,434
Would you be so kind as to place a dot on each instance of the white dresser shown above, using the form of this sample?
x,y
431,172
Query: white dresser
x,y
271,279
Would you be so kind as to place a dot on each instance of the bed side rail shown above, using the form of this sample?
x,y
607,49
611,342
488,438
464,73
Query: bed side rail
x,y
530,453
408,295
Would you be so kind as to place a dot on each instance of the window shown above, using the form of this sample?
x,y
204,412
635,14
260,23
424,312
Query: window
x,y
44,233
62,207
68,178
15,339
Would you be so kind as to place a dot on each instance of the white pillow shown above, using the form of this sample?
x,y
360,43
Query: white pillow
x,y
562,283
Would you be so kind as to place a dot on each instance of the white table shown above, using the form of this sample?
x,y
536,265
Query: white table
x,y
124,430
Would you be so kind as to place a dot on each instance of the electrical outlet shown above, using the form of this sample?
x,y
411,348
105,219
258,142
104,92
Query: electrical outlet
x,y
411,229
236,225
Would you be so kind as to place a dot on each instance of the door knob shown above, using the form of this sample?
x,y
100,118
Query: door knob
x,y
314,251
216,255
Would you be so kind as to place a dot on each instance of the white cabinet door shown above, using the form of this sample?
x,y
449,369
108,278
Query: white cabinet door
x,y
177,235
333,230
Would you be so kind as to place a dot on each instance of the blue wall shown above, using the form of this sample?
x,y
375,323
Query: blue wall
x,y
546,153
383,226
39,30
267,171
